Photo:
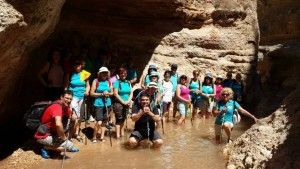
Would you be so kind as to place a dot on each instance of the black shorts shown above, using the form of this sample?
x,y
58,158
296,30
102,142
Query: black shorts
x,y
139,136
196,103
101,113
120,112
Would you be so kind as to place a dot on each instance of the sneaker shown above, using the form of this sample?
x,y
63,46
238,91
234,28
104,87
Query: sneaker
x,y
91,119
73,150
94,141
45,153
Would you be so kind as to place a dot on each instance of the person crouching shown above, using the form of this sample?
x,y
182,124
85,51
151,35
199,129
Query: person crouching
x,y
51,133
145,118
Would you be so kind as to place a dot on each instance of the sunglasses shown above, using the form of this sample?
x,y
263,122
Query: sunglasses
x,y
225,94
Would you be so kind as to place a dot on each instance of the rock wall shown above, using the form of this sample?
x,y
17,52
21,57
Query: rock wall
x,y
226,39
23,26
278,20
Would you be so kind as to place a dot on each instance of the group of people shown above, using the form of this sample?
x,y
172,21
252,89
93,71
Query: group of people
x,y
112,91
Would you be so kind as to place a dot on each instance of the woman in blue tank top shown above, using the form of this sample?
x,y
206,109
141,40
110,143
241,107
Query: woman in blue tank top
x,y
123,95
208,93
195,92
102,91
79,85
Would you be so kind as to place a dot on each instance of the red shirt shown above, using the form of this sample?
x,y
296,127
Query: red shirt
x,y
49,115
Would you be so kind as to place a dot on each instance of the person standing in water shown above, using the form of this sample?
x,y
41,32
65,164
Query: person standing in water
x,y
183,97
224,111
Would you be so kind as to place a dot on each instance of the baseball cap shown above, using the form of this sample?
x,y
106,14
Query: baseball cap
x,y
154,73
152,85
152,66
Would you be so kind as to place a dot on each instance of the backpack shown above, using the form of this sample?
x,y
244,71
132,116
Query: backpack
x,y
32,118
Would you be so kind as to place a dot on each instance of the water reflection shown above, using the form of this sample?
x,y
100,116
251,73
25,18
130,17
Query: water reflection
x,y
187,146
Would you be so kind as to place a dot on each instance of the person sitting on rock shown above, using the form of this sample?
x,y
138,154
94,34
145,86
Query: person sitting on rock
x,y
224,110
145,117
51,133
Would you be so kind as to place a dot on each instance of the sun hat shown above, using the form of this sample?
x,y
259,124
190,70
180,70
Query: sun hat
x,y
209,75
103,69
219,77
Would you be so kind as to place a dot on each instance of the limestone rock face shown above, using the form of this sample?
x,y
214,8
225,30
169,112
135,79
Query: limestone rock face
x,y
274,141
23,25
226,40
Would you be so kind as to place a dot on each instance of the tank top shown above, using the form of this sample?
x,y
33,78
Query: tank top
x,y
184,92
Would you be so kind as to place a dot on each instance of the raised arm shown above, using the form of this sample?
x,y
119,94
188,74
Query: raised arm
x,y
246,113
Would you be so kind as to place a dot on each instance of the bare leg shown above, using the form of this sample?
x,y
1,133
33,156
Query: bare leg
x,y
122,129
96,129
227,130
181,120
118,130
103,129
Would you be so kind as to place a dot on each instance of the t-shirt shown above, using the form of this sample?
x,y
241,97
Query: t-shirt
x,y
141,123
237,88
102,86
124,89
194,85
77,86
228,116
48,118
167,91
131,74
227,83
174,80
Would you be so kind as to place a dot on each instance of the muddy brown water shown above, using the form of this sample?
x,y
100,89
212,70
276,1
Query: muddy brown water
x,y
187,146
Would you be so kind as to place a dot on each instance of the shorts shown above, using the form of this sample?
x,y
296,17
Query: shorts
x,y
101,114
139,136
196,103
55,142
120,112
76,106
205,105
182,108
166,106
218,128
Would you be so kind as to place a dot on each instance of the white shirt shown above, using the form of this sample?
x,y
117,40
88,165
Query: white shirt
x,y
167,95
